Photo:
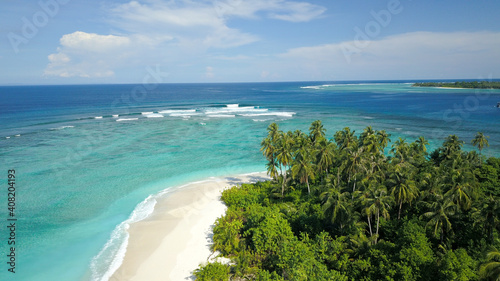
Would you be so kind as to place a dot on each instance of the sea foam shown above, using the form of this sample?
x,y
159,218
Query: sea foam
x,y
183,114
221,115
111,256
234,109
280,114
61,128
178,111
311,87
126,119
154,115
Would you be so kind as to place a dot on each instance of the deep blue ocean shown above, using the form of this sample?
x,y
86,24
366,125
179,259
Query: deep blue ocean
x,y
90,159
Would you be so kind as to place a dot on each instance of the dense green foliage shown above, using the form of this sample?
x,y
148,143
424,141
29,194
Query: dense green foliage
x,y
351,208
462,84
213,272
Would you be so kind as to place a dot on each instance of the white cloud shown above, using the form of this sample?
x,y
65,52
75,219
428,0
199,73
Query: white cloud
x,y
298,12
59,58
166,13
276,9
232,58
226,38
167,32
187,25
417,54
206,23
209,72
87,55
91,42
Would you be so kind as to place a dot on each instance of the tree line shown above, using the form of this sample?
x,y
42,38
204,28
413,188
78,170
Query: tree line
x,y
352,208
461,84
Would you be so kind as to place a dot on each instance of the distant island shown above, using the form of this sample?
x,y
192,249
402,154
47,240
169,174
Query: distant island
x,y
463,84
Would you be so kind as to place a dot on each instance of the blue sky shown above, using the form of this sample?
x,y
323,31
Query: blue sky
x,y
109,41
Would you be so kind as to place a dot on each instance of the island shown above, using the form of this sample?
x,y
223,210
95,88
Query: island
x,y
353,208
462,84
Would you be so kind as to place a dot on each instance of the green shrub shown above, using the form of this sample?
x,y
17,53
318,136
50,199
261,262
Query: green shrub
x,y
212,272
227,233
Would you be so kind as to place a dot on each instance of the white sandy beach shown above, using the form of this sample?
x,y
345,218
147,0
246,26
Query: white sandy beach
x,y
175,239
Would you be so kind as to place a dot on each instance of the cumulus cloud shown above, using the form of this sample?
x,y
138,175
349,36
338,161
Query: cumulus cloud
x,y
416,54
84,54
91,42
165,31
206,22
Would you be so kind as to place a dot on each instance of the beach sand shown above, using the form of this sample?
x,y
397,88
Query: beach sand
x,y
175,239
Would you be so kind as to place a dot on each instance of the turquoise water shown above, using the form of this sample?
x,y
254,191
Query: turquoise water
x,y
81,179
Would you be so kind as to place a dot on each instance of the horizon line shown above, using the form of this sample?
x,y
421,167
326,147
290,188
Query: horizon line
x,y
381,81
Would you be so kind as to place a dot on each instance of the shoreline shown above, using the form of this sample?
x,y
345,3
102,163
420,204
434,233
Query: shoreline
x,y
171,242
453,88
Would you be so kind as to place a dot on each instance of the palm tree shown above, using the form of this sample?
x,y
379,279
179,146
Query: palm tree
x,y
272,170
404,189
439,217
269,151
325,154
368,131
316,131
451,146
345,138
378,205
474,160
299,139
273,132
374,167
383,139
400,149
371,143
453,142
303,168
489,216
480,141
267,148
284,155
362,200
459,188
490,270
353,164
336,207
421,144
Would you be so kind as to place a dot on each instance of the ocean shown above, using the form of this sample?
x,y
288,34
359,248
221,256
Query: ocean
x,y
90,159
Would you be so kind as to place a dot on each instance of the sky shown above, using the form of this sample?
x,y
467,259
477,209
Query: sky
x,y
200,41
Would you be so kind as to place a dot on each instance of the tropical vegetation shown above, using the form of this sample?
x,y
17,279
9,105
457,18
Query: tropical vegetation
x,y
461,84
352,208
